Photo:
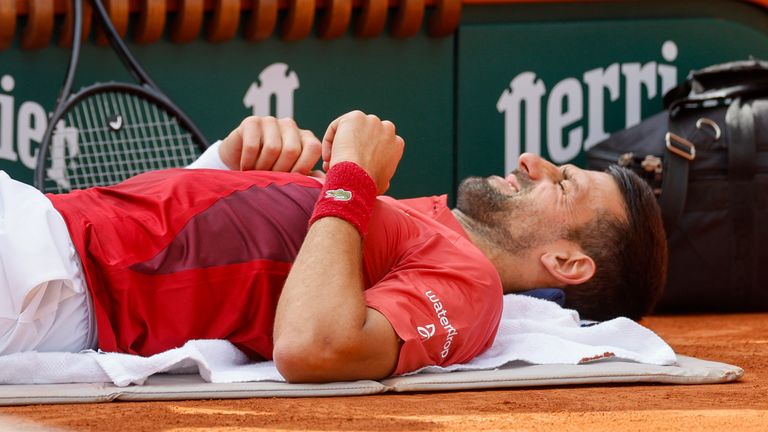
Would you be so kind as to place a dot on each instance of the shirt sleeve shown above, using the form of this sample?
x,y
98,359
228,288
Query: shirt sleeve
x,y
209,159
444,315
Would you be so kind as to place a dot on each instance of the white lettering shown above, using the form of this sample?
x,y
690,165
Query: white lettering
x,y
274,81
432,297
522,107
564,108
668,76
31,124
599,80
64,140
7,84
668,73
523,88
636,77
444,321
451,331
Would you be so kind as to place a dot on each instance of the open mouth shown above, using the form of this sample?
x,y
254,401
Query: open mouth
x,y
507,186
512,180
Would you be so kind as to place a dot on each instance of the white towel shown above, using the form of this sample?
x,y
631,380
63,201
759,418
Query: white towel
x,y
541,332
531,330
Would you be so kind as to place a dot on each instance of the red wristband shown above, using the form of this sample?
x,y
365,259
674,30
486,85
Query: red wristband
x,y
349,193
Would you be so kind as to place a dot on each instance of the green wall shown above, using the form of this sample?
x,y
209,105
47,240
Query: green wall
x,y
407,81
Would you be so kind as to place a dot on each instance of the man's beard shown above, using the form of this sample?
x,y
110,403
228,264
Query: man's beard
x,y
506,221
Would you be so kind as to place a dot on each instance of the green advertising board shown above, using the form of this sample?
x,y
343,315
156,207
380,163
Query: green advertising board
x,y
407,81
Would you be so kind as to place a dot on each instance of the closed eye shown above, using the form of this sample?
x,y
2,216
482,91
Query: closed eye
x,y
565,175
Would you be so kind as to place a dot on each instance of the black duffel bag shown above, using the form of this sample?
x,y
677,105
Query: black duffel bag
x,y
706,157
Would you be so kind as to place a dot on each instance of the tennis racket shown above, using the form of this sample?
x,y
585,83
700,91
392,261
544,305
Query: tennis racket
x,y
107,132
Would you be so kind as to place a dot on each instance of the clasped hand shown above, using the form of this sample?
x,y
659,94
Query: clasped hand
x,y
268,143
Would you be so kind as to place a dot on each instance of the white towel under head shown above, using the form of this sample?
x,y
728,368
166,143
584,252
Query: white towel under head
x,y
531,330
541,332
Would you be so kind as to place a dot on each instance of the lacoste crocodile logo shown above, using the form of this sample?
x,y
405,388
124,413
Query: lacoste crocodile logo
x,y
339,195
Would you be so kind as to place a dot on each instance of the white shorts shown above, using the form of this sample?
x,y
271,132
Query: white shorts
x,y
44,303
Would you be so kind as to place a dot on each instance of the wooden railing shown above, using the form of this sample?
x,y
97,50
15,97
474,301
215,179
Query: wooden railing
x,y
220,20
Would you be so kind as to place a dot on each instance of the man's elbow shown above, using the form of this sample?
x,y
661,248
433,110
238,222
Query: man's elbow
x,y
301,362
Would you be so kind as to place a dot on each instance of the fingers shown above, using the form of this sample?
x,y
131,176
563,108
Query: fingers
x,y
289,141
366,140
251,144
310,153
389,128
328,138
268,143
231,148
350,120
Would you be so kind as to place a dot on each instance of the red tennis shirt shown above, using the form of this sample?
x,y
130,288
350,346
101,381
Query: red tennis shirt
x,y
175,255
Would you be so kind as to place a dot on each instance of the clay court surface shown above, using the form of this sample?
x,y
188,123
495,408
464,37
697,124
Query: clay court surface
x,y
742,406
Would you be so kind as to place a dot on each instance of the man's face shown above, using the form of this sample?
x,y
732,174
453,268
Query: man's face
x,y
538,203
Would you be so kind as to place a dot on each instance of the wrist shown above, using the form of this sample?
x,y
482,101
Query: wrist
x,y
349,193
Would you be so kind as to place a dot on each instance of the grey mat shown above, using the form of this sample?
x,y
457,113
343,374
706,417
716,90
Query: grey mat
x,y
179,387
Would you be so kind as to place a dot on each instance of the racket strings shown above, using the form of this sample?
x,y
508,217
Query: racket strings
x,y
109,137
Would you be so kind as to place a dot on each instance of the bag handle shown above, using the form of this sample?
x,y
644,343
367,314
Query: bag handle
x,y
725,74
682,91
712,98
719,76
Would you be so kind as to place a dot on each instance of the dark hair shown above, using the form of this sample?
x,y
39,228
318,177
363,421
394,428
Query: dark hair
x,y
630,256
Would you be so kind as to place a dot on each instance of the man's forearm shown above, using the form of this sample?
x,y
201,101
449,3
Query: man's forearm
x,y
323,329
325,283
321,316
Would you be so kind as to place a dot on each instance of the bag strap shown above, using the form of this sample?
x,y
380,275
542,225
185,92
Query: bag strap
x,y
674,184
740,124
679,152
742,152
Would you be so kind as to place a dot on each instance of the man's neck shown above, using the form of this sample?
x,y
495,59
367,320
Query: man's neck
x,y
469,227
517,272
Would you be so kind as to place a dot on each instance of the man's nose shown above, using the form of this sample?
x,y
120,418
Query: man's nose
x,y
537,167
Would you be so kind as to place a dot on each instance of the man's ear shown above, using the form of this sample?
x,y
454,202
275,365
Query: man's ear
x,y
569,268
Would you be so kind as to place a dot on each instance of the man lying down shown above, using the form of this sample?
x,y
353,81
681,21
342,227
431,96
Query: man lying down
x,y
331,279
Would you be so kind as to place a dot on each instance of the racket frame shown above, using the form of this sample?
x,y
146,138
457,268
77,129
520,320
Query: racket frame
x,y
146,88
